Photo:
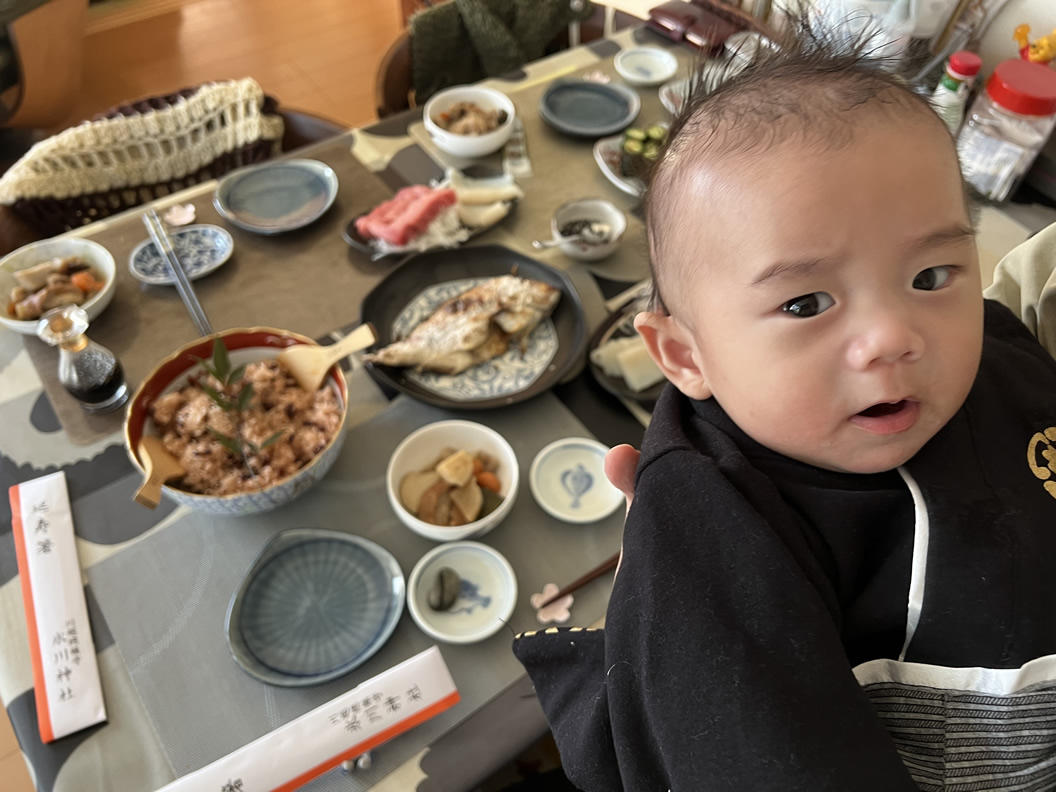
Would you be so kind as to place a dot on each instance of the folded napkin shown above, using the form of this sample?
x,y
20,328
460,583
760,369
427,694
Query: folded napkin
x,y
463,41
344,728
66,683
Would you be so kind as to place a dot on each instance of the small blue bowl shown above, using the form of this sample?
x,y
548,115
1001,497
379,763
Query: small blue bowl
x,y
567,480
200,248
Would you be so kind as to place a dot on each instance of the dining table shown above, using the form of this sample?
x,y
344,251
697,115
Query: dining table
x,y
157,583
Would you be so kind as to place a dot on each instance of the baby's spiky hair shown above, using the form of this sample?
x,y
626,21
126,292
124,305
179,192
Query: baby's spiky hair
x,y
809,89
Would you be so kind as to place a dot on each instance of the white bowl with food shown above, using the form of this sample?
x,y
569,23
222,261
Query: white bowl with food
x,y
586,215
308,429
44,275
452,480
469,120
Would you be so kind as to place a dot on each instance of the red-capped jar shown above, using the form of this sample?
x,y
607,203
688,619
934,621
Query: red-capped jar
x,y
1007,126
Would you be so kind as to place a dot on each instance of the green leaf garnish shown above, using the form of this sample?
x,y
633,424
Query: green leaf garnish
x,y
236,375
218,399
221,361
227,442
273,439
245,396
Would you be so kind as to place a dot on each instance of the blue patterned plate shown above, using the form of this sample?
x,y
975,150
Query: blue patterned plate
x,y
315,605
200,248
486,598
567,479
421,284
277,196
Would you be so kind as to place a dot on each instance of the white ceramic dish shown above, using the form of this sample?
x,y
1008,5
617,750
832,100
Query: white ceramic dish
x,y
421,448
567,479
590,209
673,94
607,155
469,145
645,65
200,248
94,254
486,599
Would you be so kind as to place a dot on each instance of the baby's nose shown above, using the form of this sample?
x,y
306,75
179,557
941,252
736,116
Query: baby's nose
x,y
887,336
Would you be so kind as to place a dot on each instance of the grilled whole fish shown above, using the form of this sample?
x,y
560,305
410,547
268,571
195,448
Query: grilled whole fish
x,y
475,326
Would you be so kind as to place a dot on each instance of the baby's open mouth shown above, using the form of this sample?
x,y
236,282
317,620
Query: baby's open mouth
x,y
887,418
884,409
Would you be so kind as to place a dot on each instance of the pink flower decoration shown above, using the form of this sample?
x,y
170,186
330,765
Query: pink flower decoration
x,y
557,611
179,214
597,76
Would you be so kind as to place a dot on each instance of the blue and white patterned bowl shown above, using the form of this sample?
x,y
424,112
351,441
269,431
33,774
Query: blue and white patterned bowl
x,y
200,248
485,601
567,479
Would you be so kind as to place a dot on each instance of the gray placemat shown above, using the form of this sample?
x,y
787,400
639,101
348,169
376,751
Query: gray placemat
x,y
166,596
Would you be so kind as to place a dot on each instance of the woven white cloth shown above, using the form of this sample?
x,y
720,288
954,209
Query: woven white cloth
x,y
149,148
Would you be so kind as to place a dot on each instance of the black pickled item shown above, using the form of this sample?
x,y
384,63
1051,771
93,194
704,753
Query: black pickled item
x,y
88,371
444,591
574,227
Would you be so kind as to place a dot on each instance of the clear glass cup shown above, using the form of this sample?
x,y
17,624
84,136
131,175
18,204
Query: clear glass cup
x,y
90,372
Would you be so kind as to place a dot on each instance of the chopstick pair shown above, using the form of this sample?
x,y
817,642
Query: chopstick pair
x,y
578,583
161,240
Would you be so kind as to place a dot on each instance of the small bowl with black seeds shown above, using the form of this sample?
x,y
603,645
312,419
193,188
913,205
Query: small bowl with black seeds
x,y
593,227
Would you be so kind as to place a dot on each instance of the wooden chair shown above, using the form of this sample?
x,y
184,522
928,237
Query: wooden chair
x,y
393,92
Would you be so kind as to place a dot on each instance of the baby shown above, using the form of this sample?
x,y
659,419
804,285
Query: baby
x,y
837,570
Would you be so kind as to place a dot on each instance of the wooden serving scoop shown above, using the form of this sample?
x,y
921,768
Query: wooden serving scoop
x,y
309,363
158,467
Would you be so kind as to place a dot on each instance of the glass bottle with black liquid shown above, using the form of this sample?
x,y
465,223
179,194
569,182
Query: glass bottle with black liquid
x,y
90,372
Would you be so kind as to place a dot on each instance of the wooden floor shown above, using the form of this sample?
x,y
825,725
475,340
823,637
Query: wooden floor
x,y
313,55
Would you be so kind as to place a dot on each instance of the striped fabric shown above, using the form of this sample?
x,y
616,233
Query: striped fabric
x,y
960,741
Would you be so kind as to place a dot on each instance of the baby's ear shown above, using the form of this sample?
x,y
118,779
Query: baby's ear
x,y
675,351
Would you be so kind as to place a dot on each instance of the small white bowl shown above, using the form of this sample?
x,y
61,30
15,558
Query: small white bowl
x,y
646,65
485,601
94,254
589,209
421,448
567,479
469,145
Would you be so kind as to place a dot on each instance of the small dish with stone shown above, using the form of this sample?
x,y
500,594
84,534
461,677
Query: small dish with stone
x,y
479,606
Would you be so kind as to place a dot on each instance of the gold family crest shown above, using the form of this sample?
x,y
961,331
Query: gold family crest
x,y
1041,456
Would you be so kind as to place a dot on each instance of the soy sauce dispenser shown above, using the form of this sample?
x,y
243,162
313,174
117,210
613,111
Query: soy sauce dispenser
x,y
90,372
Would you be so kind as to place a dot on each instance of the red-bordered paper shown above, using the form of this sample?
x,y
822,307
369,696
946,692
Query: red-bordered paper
x,y
66,683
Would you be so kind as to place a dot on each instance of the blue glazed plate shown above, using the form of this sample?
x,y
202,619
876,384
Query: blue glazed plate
x,y
200,248
589,109
315,605
276,196
420,285
567,479
486,598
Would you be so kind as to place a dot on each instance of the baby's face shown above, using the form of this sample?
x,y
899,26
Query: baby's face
x,y
834,308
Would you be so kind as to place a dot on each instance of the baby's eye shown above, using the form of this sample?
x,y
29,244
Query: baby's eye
x,y
809,305
932,278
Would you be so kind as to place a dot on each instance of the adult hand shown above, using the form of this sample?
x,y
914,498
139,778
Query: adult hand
x,y
620,463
